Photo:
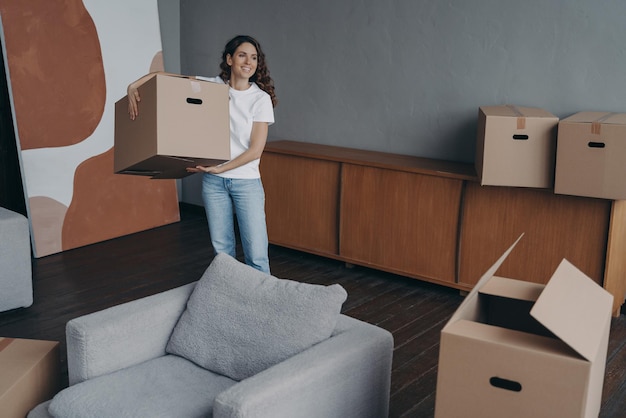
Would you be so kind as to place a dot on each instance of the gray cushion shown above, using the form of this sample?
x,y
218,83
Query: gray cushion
x,y
240,321
166,387
40,411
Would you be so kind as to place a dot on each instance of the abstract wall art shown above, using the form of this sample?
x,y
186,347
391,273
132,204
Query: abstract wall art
x,y
67,63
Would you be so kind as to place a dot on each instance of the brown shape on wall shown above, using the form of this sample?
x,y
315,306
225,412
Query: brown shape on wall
x,y
56,71
47,215
157,63
107,205
59,96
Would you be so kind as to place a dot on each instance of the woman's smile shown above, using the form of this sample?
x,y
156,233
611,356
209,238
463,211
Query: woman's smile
x,y
243,62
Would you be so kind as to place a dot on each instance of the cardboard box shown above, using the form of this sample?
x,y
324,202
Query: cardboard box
x,y
521,349
182,123
29,374
591,155
515,146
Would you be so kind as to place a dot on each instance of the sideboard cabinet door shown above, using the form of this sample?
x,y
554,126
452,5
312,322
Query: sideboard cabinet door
x,y
399,221
301,202
554,227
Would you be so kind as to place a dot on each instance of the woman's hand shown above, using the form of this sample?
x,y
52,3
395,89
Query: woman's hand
x,y
216,169
258,138
133,100
133,92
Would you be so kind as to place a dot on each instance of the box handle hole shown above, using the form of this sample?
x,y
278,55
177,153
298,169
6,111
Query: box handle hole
x,y
596,144
520,137
505,384
191,100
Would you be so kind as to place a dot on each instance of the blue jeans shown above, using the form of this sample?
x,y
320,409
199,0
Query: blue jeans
x,y
246,199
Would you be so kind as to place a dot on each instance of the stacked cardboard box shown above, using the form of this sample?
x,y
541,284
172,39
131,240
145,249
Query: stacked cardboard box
x,y
582,155
591,155
515,146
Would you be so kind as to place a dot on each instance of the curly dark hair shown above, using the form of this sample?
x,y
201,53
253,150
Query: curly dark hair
x,y
262,75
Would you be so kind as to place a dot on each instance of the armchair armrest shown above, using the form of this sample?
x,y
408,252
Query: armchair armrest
x,y
123,335
347,375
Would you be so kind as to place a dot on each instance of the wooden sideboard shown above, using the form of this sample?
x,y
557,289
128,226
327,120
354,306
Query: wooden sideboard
x,y
431,220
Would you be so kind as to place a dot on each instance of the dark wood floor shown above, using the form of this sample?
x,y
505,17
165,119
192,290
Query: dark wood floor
x,y
98,276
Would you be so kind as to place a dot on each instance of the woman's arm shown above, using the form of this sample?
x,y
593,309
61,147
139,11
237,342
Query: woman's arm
x,y
258,138
133,92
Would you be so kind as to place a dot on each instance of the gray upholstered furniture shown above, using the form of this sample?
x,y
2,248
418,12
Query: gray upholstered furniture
x,y
16,279
268,348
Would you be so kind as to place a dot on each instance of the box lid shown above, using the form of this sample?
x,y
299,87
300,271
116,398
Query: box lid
x,y
516,111
583,309
597,117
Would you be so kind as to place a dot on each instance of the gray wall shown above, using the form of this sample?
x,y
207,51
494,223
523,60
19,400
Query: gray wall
x,y
169,22
408,76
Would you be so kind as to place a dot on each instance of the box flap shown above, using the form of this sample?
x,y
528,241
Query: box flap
x,y
575,308
598,117
516,111
467,307
584,117
513,289
509,337
615,119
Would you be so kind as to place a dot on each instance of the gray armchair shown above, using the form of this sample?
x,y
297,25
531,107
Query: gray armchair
x,y
123,354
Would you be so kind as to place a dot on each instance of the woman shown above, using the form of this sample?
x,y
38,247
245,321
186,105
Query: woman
x,y
235,186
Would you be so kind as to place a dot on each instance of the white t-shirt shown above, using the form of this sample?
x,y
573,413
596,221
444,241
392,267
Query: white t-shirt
x,y
245,107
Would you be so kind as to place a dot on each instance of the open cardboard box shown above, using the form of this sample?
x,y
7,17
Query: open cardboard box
x,y
182,123
521,349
